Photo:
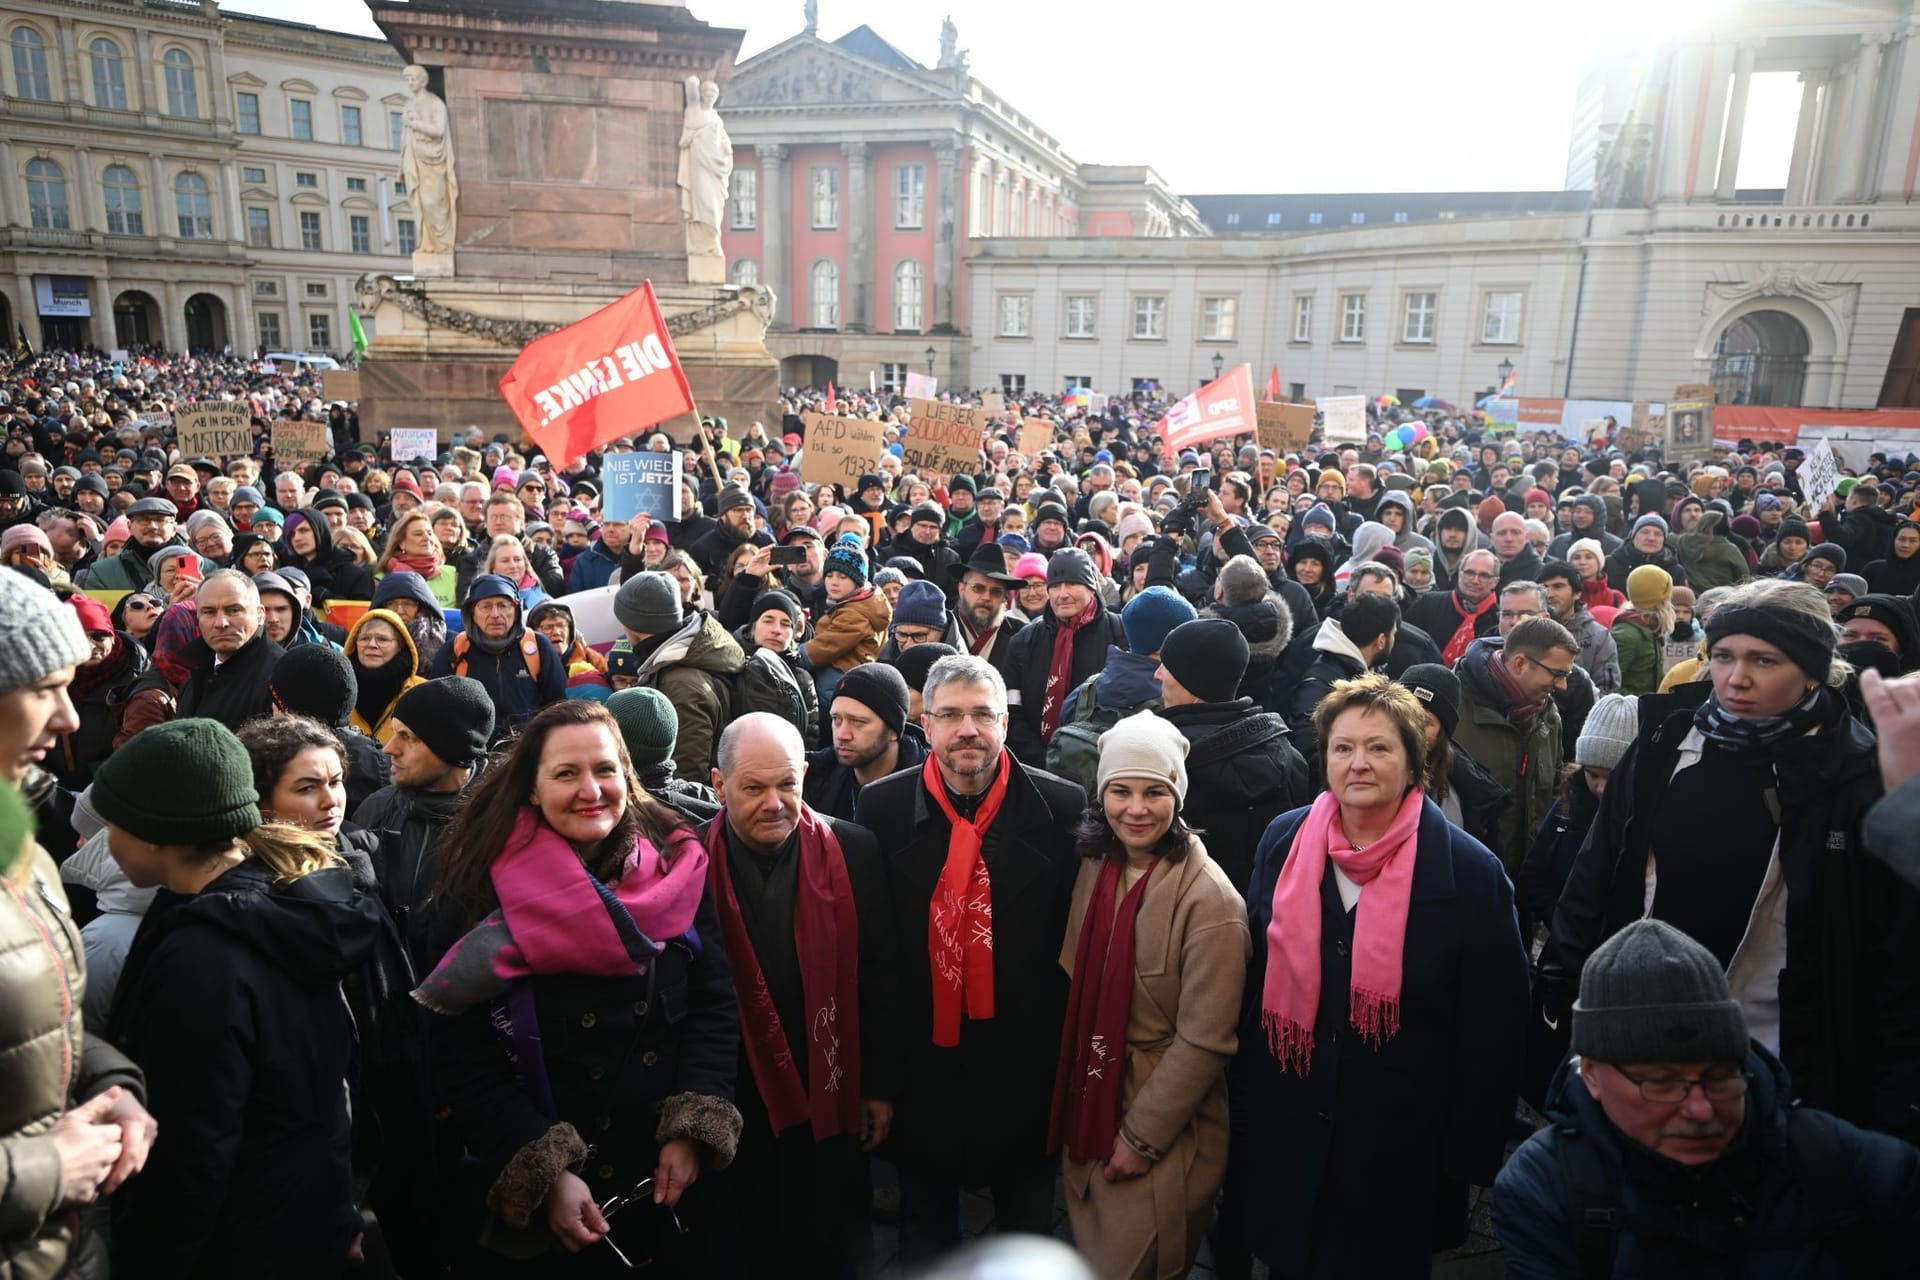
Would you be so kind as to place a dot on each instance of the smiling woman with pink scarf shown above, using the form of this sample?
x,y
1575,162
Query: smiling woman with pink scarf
x,y
1381,1033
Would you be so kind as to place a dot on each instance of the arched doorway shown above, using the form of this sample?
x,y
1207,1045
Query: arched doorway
x,y
1761,358
136,320
206,323
809,371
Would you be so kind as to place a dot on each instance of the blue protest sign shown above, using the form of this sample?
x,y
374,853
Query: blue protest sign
x,y
641,484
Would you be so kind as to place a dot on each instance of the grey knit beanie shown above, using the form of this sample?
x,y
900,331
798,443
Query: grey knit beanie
x,y
1652,994
649,603
38,634
648,724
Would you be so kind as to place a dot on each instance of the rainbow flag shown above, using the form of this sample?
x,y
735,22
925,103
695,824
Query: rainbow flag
x,y
1506,388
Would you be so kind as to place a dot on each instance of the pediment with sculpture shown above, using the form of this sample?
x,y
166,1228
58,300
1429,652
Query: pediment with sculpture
x,y
815,74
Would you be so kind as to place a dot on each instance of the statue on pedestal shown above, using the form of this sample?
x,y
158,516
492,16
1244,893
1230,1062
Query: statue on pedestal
x,y
426,164
812,10
706,169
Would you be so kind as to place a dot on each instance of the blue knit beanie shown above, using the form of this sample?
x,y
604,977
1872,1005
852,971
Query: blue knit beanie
x,y
920,604
1150,615
848,556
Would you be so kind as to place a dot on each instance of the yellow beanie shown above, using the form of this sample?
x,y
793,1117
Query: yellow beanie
x,y
1649,587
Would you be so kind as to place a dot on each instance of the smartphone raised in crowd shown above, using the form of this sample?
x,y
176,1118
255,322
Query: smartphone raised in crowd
x,y
787,555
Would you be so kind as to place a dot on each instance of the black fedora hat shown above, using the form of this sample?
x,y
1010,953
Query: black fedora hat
x,y
988,560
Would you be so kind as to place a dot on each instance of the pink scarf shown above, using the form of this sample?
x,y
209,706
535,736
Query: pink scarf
x,y
1290,999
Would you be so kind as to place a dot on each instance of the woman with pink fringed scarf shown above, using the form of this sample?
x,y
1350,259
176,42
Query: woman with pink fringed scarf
x,y
1381,1039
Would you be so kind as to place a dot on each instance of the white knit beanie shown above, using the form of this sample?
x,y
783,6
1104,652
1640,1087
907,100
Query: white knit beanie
x,y
1144,746
38,634
1587,544
1610,729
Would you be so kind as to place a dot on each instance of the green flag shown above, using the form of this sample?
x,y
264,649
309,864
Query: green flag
x,y
359,334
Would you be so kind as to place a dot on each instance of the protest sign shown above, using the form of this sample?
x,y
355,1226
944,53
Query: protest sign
x,y
1283,428
1690,420
941,437
840,450
215,429
610,375
298,443
1224,407
1821,474
922,386
641,484
409,444
1346,419
993,404
1036,435
340,384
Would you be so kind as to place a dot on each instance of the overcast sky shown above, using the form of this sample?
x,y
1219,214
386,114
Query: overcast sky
x,y
1257,96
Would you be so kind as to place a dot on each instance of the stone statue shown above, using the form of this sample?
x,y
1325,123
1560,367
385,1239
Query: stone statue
x,y
706,167
949,42
813,16
426,164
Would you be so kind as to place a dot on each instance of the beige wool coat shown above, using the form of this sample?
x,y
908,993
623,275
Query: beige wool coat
x,y
1190,965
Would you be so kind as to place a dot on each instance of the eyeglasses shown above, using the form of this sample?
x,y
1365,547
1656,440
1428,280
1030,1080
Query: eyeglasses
x,y
915,635
1666,1090
1519,615
1479,575
951,719
1559,676
636,1196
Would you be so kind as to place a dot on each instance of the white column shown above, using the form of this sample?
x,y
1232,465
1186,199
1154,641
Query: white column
x,y
1736,124
773,230
946,224
173,320
83,190
236,230
859,287
160,216
1676,132
1862,126
1800,170
10,216
1903,109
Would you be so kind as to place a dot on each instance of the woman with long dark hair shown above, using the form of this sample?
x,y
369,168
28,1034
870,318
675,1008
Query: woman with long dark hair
x,y
585,999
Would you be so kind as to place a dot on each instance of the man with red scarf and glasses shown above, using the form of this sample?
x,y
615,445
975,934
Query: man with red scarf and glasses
x,y
1055,655
803,909
979,854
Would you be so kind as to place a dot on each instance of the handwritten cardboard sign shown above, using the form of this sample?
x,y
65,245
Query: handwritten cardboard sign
x,y
1036,435
1283,428
840,450
1346,419
215,429
300,442
943,438
993,404
410,443
922,386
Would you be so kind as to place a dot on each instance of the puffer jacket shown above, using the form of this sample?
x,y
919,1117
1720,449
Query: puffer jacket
x,y
1710,558
1599,654
1267,625
850,631
48,1064
1244,771
695,667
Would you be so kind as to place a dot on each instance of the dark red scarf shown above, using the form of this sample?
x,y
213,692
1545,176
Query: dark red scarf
x,y
1463,634
1060,670
1089,1085
960,915
826,939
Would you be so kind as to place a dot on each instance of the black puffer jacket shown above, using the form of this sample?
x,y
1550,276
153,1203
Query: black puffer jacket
x,y
101,710
1267,625
1243,772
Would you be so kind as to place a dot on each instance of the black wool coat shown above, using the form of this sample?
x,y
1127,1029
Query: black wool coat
x,y
1029,662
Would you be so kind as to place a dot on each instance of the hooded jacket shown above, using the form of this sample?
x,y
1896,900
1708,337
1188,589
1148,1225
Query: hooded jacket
x,y
695,667
1710,557
1446,564
330,569
231,1000
1865,533
507,676
380,728
1406,539
1267,626
1609,543
429,628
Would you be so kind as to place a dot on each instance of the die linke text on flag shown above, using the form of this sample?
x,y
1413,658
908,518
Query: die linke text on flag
x,y
1224,407
609,375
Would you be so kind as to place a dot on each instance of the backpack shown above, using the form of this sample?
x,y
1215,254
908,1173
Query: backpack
x,y
529,649
1074,751
766,683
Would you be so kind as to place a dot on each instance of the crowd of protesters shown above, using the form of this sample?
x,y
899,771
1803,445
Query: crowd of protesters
x,y
413,869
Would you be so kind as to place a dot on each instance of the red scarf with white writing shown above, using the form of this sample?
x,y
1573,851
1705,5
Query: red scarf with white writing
x,y
960,916
826,941
1088,1086
1463,634
1060,669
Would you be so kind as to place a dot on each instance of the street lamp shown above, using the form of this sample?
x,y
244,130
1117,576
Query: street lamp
x,y
1506,371
1218,362
931,353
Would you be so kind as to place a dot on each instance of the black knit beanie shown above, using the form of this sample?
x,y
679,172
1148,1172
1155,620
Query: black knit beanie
x,y
1438,690
186,782
880,689
774,598
1208,656
917,662
453,716
314,680
1807,640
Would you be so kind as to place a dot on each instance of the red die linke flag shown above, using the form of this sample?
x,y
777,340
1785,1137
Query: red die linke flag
x,y
611,374
1224,407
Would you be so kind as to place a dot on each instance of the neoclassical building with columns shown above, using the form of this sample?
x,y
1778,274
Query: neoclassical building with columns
x,y
170,174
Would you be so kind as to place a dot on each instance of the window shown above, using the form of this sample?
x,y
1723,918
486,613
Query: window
x,y
399,186
1150,316
1273,219
1502,324
1353,317
909,196
183,93
1080,315
1297,392
109,75
909,296
350,126
267,324
260,228
357,184
893,377
247,112
302,119
1314,219
1356,218
30,76
1233,219
1016,315
1400,217
125,216
316,288
47,196
1418,324
1013,385
824,182
309,229
744,197
360,232
306,179
319,331
823,302
1303,319
407,233
250,174
1217,320
396,128
745,271
194,205
266,288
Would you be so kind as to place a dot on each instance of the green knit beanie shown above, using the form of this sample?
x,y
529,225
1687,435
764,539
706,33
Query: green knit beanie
x,y
648,723
186,782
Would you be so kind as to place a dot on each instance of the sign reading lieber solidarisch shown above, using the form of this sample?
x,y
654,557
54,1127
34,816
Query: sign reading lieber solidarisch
x,y
942,437
840,450
215,429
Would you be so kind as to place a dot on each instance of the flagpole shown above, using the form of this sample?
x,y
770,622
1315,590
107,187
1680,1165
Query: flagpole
x,y
706,444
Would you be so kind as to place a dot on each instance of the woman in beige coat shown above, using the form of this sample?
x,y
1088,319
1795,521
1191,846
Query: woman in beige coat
x,y
1157,947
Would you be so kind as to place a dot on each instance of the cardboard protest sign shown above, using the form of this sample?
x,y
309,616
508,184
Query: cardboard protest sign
x,y
1224,407
408,444
215,429
641,484
300,442
943,438
993,404
340,384
1036,435
1690,420
609,375
1283,428
922,386
1346,419
840,450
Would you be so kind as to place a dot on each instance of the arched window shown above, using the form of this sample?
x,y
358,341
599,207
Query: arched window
x,y
30,77
746,271
194,205
47,196
823,302
183,95
109,75
909,296
125,215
